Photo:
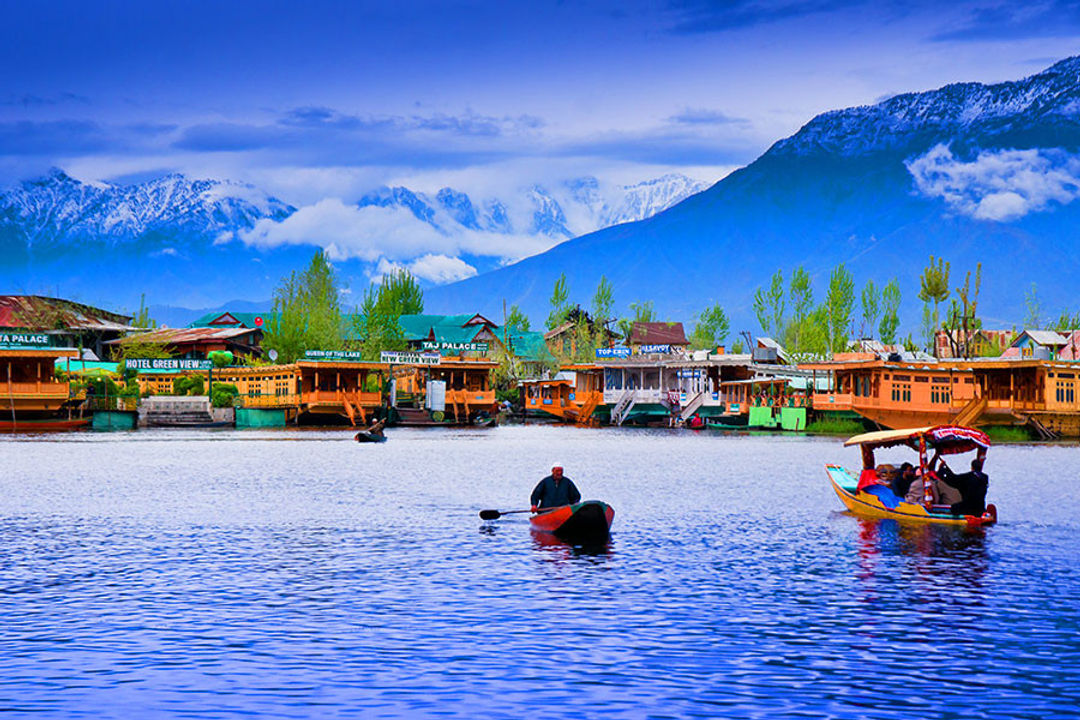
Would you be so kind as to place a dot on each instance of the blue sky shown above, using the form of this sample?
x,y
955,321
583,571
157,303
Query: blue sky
x,y
330,99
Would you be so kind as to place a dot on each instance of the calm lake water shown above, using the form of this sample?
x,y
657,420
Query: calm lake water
x,y
300,574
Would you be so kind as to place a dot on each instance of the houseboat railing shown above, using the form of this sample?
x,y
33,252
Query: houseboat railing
x,y
49,389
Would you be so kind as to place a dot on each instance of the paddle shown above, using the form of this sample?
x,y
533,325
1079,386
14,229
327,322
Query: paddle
x,y
495,514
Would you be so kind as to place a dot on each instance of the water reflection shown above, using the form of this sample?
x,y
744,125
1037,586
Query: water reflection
x,y
558,550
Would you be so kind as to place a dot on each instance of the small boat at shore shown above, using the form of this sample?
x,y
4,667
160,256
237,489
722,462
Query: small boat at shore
x,y
369,437
43,425
869,495
583,522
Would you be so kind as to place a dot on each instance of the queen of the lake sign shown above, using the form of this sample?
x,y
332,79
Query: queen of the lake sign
x,y
24,339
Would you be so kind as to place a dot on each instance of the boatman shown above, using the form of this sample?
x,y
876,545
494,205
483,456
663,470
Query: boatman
x,y
554,491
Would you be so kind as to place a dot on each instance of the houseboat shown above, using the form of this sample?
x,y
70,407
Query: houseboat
x,y
435,390
575,395
32,397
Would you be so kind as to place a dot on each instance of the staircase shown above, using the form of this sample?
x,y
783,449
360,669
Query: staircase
x,y
972,411
692,407
585,414
622,408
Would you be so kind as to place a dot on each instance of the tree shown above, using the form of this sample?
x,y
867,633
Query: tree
x,y
769,305
307,312
560,303
1034,319
802,305
870,309
933,288
603,303
642,312
963,321
890,312
516,320
377,322
839,303
711,330
142,318
928,327
1066,322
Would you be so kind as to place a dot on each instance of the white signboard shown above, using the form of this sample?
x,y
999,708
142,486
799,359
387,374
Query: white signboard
x,y
409,358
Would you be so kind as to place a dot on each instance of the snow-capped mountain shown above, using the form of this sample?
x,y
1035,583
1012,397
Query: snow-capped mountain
x,y
1038,108
971,172
59,211
562,211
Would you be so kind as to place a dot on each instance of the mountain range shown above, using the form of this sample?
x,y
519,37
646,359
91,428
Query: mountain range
x,y
970,172
185,241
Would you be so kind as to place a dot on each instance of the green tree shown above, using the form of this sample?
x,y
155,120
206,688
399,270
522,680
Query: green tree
x,y
1066,322
871,307
802,306
377,322
769,306
962,319
711,329
642,312
934,288
839,304
516,320
307,312
928,326
560,303
1034,319
142,318
890,312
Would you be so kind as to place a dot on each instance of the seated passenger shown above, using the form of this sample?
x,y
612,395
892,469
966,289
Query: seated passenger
x,y
903,479
972,487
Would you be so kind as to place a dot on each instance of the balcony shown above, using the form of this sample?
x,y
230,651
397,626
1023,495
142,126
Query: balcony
x,y
832,401
49,390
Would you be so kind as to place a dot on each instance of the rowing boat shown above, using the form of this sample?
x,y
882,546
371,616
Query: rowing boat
x,y
588,521
869,495
368,437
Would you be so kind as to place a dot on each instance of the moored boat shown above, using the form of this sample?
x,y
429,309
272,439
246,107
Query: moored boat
x,y
868,494
368,437
585,522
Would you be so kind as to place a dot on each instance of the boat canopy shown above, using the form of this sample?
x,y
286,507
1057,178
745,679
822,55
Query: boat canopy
x,y
946,439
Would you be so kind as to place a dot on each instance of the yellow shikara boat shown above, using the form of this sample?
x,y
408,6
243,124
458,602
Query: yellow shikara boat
x,y
869,496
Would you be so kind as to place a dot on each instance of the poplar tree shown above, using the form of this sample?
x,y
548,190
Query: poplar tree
x,y
307,312
890,312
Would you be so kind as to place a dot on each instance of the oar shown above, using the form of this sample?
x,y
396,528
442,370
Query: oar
x,y
495,514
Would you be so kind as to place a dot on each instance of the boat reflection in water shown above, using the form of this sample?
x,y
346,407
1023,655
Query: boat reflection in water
x,y
556,549
935,562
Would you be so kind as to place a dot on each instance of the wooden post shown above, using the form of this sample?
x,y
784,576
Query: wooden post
x,y
928,494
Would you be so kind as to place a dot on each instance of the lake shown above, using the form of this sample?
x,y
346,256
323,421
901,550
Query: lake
x,y
296,573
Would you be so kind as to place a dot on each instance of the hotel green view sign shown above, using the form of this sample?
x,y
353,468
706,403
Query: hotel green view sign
x,y
168,364
31,340
443,346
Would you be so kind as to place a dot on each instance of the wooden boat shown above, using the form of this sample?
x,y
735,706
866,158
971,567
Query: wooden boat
x,y
868,496
48,424
585,522
367,437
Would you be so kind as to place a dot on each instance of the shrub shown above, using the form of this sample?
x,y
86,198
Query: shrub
x,y
223,395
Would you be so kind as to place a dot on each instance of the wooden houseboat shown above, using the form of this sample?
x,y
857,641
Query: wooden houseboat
x,y
574,395
452,390
641,390
341,388
896,395
33,398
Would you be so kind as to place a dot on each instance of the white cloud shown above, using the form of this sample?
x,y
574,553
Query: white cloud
x,y
439,269
999,185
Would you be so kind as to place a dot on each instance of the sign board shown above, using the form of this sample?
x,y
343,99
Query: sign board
x,y
173,364
409,358
443,346
333,355
613,352
24,339
646,349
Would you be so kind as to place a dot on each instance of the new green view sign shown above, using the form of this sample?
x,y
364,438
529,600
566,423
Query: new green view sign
x,y
443,346
168,364
33,340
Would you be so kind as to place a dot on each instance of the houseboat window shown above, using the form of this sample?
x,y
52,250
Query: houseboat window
x,y
612,379
940,380
1065,375
901,378
922,378
652,379
969,381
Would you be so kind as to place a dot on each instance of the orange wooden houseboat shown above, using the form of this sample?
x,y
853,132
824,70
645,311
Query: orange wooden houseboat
x,y
33,398
574,395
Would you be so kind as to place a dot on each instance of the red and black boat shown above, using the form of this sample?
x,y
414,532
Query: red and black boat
x,y
583,522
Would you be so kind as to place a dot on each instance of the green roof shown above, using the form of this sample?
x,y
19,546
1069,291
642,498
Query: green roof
x,y
245,319
527,345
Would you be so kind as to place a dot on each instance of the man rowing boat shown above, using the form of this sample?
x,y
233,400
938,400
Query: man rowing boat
x,y
554,491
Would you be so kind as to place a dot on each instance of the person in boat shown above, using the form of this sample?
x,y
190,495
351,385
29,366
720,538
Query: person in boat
x,y
376,428
554,491
971,486
903,479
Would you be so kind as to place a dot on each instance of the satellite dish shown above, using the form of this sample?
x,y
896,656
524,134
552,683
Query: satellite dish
x,y
273,355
